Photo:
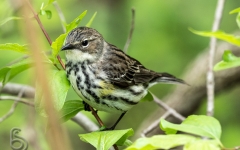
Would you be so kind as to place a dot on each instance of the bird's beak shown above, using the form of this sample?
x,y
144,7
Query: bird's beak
x,y
67,47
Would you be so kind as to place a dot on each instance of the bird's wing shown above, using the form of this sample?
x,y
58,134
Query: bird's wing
x,y
124,71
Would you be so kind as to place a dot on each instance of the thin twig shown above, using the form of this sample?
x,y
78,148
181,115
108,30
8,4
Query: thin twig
x,y
18,60
44,32
169,111
167,108
96,116
115,147
14,105
13,98
131,32
10,112
155,124
60,14
210,75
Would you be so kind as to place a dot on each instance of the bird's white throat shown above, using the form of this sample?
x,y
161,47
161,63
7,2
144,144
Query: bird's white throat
x,y
79,56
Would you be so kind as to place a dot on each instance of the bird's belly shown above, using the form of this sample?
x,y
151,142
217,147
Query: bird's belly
x,y
102,95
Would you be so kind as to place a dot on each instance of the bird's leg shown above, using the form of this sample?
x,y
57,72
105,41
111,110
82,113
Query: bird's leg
x,y
86,106
115,124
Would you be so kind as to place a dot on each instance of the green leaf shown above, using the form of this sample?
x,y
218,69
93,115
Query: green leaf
x,y
57,45
148,97
161,142
103,140
75,22
199,125
71,108
14,47
48,13
202,145
9,72
91,20
220,35
235,10
9,19
59,86
50,2
229,61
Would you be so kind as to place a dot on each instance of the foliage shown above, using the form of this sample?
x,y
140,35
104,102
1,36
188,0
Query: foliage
x,y
196,126
229,60
9,72
59,84
103,140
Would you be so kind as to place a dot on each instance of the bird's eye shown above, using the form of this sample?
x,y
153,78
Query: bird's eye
x,y
85,43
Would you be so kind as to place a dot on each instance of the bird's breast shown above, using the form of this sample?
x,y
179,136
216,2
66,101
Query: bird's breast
x,y
95,89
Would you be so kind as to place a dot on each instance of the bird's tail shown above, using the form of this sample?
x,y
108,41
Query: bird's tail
x,y
168,79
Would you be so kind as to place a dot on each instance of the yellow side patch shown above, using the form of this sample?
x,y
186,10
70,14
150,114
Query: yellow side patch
x,y
107,89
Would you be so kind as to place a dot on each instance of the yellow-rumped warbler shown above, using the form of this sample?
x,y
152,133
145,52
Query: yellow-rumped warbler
x,y
104,76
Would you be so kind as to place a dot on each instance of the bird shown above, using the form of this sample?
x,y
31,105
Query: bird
x,y
105,77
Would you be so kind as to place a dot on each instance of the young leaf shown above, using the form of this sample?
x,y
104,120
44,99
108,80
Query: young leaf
x,y
220,35
200,125
235,10
229,61
75,22
57,45
91,20
14,47
9,72
161,142
59,86
202,144
148,97
71,108
9,19
103,140
46,12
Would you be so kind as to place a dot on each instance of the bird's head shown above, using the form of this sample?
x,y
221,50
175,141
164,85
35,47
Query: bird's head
x,y
83,44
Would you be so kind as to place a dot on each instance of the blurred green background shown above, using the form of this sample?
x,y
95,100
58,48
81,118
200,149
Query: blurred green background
x,y
161,41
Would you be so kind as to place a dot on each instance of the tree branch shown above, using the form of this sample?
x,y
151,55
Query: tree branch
x,y
13,89
210,75
16,99
168,109
85,122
